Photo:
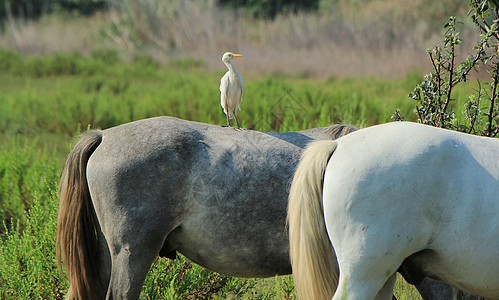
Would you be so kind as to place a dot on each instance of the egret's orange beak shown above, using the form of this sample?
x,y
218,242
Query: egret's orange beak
x,y
238,55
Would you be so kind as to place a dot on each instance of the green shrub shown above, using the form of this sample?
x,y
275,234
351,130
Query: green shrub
x,y
28,269
25,173
8,60
107,56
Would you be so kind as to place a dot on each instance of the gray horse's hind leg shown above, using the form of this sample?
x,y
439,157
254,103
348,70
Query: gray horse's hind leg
x,y
133,251
434,290
460,295
130,268
133,248
104,264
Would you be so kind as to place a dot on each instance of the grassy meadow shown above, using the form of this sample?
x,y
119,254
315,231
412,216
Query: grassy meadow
x,y
46,101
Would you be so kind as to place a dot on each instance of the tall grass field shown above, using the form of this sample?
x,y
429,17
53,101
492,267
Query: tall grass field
x,y
46,101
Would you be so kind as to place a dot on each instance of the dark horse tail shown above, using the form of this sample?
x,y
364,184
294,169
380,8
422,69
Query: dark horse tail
x,y
77,240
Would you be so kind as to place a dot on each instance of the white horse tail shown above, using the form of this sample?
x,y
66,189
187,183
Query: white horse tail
x,y
76,224
312,255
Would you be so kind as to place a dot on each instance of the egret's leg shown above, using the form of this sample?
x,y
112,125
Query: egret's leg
x,y
235,118
227,114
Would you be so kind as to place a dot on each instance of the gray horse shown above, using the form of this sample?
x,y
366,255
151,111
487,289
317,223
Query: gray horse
x,y
157,186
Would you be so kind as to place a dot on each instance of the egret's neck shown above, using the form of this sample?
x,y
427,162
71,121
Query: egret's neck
x,y
230,66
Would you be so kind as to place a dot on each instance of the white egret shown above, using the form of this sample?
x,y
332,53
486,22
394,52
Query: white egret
x,y
231,88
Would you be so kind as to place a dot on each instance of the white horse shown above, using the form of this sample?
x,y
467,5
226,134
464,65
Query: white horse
x,y
395,196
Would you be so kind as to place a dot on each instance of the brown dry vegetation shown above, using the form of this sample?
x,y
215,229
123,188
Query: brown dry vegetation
x,y
384,38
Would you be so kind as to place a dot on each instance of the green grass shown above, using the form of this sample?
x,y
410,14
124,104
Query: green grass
x,y
47,101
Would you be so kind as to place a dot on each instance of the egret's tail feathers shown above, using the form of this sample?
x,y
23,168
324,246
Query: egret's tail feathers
x,y
312,256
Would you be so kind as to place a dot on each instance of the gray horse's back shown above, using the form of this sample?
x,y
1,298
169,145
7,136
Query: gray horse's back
x,y
217,195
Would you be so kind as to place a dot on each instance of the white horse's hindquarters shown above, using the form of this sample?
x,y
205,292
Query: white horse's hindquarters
x,y
364,234
405,188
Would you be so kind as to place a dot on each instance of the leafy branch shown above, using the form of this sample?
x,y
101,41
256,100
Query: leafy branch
x,y
434,94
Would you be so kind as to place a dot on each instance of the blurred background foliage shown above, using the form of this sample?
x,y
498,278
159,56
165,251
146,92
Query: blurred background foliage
x,y
33,9
318,38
